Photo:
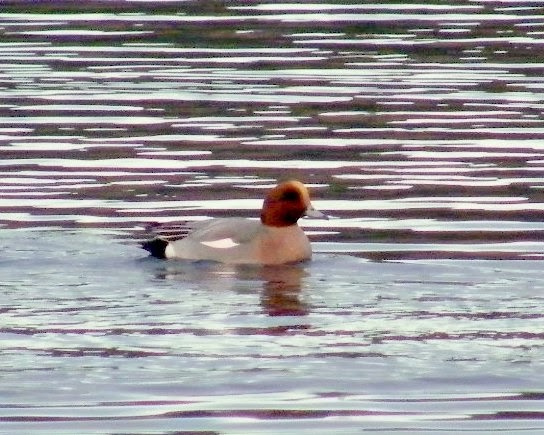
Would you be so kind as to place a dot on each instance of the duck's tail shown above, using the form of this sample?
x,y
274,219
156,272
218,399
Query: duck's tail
x,y
156,247
155,237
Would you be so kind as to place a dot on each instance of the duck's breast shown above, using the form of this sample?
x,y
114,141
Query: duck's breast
x,y
284,245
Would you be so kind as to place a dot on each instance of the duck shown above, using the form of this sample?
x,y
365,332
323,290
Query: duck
x,y
274,239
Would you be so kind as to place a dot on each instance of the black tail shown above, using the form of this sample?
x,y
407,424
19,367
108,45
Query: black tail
x,y
156,247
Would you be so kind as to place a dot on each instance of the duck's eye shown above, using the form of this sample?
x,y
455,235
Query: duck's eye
x,y
290,195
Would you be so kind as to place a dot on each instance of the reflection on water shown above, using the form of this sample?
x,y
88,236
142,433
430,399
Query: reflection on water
x,y
280,287
418,128
281,291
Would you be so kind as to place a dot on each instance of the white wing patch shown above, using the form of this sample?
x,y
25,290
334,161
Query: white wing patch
x,y
221,243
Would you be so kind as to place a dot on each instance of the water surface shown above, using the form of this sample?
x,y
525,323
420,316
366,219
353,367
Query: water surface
x,y
99,343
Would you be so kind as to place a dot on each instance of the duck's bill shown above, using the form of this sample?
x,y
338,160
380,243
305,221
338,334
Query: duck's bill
x,y
315,214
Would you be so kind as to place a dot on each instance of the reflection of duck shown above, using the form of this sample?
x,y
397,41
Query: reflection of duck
x,y
281,291
275,239
279,286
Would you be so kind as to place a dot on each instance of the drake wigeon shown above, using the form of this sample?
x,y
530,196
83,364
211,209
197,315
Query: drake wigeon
x,y
275,239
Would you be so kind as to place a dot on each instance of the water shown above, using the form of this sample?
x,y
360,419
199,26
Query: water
x,y
419,130
98,342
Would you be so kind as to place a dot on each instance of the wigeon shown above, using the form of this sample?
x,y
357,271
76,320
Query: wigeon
x,y
274,239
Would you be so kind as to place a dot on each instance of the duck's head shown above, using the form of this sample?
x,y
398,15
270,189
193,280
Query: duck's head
x,y
286,203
